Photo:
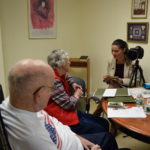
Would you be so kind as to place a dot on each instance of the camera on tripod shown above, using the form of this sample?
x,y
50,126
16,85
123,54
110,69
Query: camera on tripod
x,y
135,53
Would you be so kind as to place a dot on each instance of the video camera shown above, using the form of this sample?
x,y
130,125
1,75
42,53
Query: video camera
x,y
135,53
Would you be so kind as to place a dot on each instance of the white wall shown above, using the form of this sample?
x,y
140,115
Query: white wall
x,y
84,27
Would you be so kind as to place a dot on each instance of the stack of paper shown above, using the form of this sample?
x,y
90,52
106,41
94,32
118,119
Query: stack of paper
x,y
133,112
136,91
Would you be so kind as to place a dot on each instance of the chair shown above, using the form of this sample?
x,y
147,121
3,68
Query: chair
x,y
81,103
98,101
84,102
1,94
80,82
4,144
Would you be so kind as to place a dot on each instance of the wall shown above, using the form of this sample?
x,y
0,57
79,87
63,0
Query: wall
x,y
104,21
84,27
17,45
2,70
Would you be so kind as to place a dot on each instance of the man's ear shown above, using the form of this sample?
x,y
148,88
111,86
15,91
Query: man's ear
x,y
36,100
37,97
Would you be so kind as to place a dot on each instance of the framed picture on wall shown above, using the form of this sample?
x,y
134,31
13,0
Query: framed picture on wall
x,y
42,18
137,32
139,9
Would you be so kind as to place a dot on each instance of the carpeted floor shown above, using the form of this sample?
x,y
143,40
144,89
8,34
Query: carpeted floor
x,y
129,142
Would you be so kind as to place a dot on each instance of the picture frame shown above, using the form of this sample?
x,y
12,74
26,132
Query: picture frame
x,y
139,9
137,32
42,19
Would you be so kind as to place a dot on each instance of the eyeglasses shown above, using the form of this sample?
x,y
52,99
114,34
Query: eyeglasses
x,y
53,88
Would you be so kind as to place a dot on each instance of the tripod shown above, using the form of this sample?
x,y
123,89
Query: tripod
x,y
135,70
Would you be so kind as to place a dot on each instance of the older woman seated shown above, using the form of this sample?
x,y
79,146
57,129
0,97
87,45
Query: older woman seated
x,y
62,104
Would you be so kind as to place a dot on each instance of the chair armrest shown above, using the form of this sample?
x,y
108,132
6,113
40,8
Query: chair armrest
x,y
94,98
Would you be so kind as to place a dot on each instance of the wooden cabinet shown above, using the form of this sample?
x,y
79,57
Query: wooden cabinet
x,y
83,63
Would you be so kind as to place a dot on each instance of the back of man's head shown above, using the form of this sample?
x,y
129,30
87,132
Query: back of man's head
x,y
25,77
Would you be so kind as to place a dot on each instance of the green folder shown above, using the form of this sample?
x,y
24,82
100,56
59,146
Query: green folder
x,y
99,92
121,95
125,99
122,92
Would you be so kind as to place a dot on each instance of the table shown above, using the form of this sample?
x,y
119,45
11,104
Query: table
x,y
138,128
82,63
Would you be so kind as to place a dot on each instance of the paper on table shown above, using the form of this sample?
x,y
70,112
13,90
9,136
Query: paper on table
x,y
146,93
133,112
136,91
109,93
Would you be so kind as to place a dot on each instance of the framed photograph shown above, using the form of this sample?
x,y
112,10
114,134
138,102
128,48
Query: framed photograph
x,y
42,18
137,32
139,9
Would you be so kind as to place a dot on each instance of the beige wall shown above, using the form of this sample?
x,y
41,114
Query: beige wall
x,y
2,70
105,21
84,27
16,44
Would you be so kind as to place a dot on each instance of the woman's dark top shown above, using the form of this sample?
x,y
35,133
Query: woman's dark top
x,y
119,70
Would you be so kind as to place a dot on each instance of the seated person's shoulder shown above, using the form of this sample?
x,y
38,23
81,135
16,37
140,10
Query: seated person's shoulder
x,y
111,60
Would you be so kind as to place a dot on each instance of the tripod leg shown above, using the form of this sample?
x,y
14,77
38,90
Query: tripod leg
x,y
132,76
136,67
135,77
141,74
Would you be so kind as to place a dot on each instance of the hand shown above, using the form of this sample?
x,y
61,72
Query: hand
x,y
78,93
76,86
115,83
96,147
88,145
106,77
116,80
120,80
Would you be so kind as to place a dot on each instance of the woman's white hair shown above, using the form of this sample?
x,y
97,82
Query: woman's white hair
x,y
57,58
